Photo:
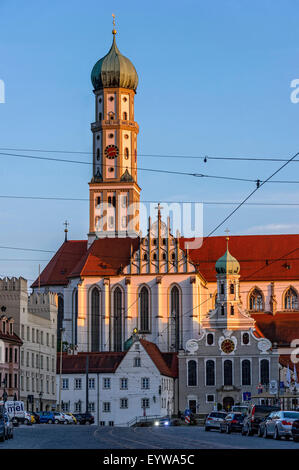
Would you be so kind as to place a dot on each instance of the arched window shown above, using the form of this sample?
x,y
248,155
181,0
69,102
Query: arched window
x,y
265,373
228,372
291,299
256,303
126,153
210,372
221,288
60,315
95,319
232,310
245,338
144,310
192,373
222,310
232,288
210,339
246,374
75,318
125,115
117,320
175,318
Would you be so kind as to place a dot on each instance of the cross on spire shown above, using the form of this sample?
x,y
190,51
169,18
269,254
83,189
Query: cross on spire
x,y
227,237
113,22
159,207
66,224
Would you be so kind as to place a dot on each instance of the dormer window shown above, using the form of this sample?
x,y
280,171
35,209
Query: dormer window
x,y
11,328
4,327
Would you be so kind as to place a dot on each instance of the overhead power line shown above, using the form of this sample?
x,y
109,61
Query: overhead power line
x,y
213,203
154,170
251,194
196,157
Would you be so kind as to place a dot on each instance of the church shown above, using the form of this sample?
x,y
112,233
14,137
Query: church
x,y
116,282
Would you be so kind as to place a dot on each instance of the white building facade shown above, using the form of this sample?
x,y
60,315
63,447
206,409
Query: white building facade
x,y
122,387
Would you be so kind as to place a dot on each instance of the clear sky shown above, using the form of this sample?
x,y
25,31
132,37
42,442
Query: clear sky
x,y
214,79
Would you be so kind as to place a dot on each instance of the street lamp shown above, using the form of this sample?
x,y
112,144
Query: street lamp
x,y
40,401
60,379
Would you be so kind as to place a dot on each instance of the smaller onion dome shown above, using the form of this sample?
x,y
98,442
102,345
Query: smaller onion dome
x,y
227,264
114,70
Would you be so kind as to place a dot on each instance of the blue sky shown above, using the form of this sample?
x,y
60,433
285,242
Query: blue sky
x,y
214,79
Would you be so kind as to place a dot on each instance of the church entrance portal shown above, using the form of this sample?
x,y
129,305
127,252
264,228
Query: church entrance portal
x,y
228,402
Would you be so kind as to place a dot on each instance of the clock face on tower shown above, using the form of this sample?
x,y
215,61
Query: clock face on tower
x,y
111,151
227,346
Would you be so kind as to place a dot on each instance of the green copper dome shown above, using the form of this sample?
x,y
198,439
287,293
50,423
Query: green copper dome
x,y
114,70
227,264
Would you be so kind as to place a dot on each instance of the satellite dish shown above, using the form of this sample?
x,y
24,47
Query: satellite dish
x,y
192,345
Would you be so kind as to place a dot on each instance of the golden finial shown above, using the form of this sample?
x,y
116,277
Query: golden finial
x,y
114,30
227,237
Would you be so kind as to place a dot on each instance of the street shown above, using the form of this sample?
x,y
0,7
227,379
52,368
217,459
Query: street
x,y
51,436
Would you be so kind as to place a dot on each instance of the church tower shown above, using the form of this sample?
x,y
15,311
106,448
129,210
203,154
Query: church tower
x,y
114,192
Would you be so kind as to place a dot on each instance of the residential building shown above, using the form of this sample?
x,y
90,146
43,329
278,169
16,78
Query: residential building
x,y
123,387
10,345
35,322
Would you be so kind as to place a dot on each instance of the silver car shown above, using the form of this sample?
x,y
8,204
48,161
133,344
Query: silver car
x,y
8,427
214,419
279,424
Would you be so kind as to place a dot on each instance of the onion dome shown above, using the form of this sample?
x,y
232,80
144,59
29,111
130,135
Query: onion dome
x,y
114,70
227,264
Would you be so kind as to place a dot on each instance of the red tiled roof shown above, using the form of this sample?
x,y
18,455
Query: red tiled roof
x,y
262,257
62,263
105,257
286,361
98,362
11,338
281,328
253,253
166,365
108,362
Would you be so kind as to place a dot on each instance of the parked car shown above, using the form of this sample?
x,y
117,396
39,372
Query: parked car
x,y
261,427
2,428
59,418
46,417
279,424
68,418
28,418
36,417
255,415
74,421
232,422
84,418
240,409
214,419
295,430
8,426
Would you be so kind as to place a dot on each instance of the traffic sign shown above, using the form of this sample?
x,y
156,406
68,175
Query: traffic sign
x,y
273,387
246,396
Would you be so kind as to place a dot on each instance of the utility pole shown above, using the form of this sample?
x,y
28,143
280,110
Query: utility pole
x,y
60,378
87,365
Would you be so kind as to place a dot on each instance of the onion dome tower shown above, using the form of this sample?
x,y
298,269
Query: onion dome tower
x,y
114,192
227,269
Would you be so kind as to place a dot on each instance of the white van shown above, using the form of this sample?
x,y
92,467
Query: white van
x,y
15,409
